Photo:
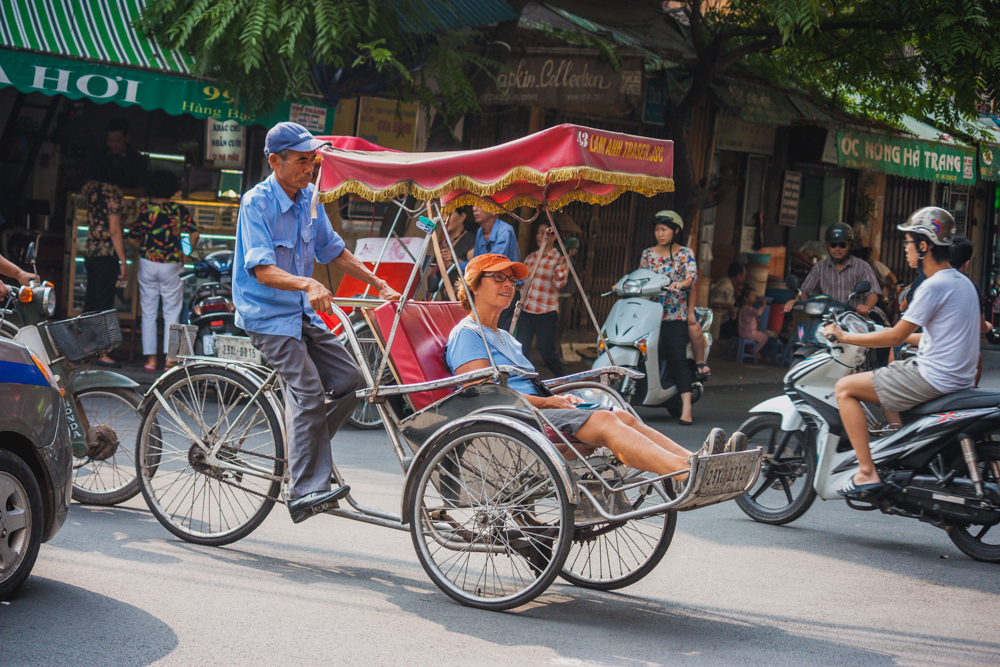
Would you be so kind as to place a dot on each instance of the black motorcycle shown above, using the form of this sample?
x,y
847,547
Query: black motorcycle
x,y
211,307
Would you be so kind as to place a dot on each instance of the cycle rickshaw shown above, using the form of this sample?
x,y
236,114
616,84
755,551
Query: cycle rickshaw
x,y
496,513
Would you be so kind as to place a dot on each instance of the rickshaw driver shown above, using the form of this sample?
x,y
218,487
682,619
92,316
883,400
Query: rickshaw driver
x,y
277,241
491,279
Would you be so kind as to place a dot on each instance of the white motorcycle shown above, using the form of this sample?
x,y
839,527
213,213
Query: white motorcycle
x,y
941,466
632,332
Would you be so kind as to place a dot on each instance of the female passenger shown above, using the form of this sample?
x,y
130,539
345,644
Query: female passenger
x,y
491,278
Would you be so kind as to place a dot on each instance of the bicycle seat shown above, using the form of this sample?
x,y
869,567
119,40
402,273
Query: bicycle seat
x,y
966,399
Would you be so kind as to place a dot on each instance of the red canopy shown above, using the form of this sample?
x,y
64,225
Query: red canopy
x,y
559,165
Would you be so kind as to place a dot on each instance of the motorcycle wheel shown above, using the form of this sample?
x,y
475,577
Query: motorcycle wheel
x,y
112,480
784,489
980,542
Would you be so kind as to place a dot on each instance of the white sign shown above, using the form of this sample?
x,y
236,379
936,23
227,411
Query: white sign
x,y
369,250
311,118
225,141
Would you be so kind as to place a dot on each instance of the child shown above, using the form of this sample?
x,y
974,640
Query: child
x,y
749,315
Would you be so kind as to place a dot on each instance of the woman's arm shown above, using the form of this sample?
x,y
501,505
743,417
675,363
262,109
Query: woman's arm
x,y
536,401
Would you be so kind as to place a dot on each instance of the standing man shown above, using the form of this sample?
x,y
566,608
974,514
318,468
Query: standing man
x,y
837,275
277,242
104,253
120,164
496,237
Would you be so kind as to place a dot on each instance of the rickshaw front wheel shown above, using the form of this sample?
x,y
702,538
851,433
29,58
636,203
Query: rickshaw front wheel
x,y
490,518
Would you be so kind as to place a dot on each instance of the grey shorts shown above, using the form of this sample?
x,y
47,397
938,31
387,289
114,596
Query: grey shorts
x,y
568,420
900,386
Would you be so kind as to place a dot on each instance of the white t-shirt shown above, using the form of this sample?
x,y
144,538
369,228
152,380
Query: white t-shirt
x,y
947,307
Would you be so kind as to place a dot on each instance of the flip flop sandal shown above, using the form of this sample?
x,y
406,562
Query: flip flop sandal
x,y
703,370
149,368
853,489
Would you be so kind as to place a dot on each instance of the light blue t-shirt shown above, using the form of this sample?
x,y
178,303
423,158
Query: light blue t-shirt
x,y
465,345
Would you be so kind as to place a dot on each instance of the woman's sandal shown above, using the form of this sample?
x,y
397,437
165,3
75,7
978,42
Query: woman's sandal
x,y
703,370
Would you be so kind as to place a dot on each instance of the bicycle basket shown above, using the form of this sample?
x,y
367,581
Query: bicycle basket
x,y
87,335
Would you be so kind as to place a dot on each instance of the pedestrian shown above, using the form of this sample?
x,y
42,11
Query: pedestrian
x,y
277,242
723,297
104,251
671,258
496,237
119,164
156,234
540,303
751,308
459,226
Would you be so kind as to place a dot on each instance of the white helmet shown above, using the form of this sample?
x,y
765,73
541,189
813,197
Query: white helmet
x,y
933,222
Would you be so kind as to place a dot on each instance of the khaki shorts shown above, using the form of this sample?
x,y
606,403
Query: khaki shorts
x,y
900,386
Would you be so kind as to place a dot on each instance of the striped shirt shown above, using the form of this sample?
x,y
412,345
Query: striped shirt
x,y
838,283
543,292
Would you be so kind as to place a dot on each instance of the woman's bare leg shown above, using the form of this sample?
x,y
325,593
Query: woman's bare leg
x,y
658,438
631,446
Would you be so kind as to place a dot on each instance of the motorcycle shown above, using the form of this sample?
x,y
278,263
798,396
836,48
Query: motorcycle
x,y
101,406
942,466
211,307
632,332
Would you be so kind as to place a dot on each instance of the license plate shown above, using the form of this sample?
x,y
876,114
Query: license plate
x,y
208,344
236,348
727,474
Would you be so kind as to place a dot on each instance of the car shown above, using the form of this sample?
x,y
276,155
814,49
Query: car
x,y
36,462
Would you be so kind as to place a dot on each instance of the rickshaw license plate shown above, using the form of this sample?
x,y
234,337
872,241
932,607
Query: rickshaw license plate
x,y
236,348
726,474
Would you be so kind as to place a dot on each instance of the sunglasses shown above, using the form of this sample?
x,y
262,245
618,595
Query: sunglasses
x,y
500,277
838,245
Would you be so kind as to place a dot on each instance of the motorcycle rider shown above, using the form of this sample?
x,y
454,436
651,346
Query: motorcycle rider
x,y
837,275
947,309
8,268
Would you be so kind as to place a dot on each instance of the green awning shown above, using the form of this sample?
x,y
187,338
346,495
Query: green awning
x,y
88,49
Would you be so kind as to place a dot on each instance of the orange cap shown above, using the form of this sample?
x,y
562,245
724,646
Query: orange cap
x,y
492,262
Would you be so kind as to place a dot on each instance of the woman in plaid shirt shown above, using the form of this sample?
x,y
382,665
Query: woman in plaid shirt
x,y
540,310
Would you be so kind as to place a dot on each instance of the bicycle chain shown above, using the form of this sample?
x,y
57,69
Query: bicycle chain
x,y
236,450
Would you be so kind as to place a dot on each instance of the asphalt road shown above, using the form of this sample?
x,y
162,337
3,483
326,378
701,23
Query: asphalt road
x,y
837,587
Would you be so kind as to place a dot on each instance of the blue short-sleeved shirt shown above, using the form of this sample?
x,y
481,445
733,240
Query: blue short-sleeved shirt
x,y
465,345
273,230
503,241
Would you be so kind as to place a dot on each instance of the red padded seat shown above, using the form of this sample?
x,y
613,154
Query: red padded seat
x,y
418,350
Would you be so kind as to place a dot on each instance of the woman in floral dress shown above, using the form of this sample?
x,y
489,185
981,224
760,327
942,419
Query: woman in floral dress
x,y
157,234
678,263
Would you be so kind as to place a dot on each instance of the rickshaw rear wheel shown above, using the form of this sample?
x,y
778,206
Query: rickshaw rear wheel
x,y
608,556
490,518
195,501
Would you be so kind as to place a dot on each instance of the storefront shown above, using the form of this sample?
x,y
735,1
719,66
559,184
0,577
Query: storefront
x,y
59,89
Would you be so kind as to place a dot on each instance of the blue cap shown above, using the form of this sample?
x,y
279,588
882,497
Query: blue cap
x,y
290,135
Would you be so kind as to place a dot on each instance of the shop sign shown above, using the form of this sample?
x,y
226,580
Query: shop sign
x,y
989,162
309,117
753,104
790,194
736,135
901,156
388,123
655,105
78,79
225,141
560,81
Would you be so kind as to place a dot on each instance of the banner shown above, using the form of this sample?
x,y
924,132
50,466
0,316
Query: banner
x,y
79,79
901,156
989,162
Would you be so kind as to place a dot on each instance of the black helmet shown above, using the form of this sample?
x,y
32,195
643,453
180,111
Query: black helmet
x,y
839,232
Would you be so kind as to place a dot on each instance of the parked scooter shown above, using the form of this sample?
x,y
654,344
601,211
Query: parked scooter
x,y
632,331
211,307
941,467
101,406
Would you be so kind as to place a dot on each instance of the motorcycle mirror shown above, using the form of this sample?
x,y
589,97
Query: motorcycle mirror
x,y
792,282
29,256
863,287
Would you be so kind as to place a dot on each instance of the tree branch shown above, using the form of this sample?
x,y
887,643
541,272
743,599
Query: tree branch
x,y
829,26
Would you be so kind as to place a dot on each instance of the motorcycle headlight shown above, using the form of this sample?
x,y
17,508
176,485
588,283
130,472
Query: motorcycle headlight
x,y
48,302
634,286
814,309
